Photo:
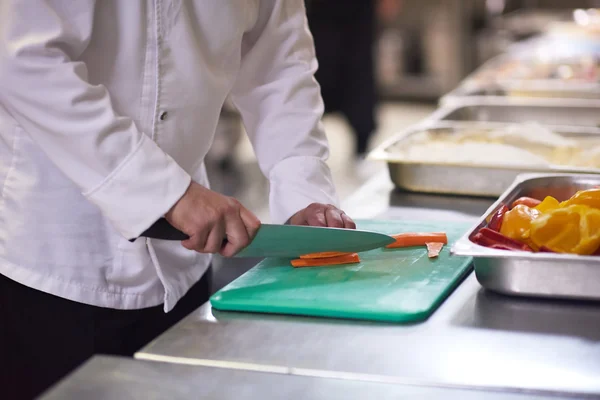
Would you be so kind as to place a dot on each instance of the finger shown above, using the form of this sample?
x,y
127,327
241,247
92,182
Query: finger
x,y
189,243
196,241
237,236
214,241
348,222
299,219
251,222
334,217
315,215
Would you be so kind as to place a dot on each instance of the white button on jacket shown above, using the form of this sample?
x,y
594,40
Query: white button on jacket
x,y
107,109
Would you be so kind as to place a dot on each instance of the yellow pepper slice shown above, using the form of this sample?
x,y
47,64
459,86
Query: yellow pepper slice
x,y
549,203
516,223
590,198
573,229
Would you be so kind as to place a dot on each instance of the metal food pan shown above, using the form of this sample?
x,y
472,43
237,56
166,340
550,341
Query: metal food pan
x,y
551,89
471,179
490,78
535,274
526,90
550,112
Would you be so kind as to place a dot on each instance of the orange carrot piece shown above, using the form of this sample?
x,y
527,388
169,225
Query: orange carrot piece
x,y
325,254
417,239
351,258
433,249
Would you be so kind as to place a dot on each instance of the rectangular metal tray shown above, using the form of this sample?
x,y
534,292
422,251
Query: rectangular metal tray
x,y
535,274
550,112
472,179
521,89
518,90
487,81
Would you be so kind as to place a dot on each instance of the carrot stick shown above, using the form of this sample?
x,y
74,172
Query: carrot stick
x,y
417,239
351,258
325,254
433,249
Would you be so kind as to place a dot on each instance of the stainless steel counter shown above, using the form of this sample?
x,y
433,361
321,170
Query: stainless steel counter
x,y
476,339
120,378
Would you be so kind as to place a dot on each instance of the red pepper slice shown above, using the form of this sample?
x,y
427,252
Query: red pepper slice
x,y
501,247
482,240
496,221
489,238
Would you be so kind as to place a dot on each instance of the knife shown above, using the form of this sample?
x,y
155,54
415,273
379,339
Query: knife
x,y
290,241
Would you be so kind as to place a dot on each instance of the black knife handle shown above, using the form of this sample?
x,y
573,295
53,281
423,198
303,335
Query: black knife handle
x,y
162,229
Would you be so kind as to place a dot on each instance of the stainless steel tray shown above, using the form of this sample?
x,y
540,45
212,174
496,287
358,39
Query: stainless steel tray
x,y
535,274
550,112
471,179
522,89
488,80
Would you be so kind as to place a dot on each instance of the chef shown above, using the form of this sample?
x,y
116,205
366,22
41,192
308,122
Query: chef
x,y
107,109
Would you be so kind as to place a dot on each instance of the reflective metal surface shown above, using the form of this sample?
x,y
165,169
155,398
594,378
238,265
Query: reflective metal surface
x,y
472,340
119,378
557,65
535,274
379,199
552,112
434,176
464,344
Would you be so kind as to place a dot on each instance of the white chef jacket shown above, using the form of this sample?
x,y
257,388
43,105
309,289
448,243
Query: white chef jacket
x,y
107,109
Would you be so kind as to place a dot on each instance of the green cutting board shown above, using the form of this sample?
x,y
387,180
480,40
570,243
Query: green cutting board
x,y
397,285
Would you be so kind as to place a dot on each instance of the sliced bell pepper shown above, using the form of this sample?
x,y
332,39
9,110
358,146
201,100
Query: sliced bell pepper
x,y
496,221
489,238
573,229
516,223
417,239
434,249
325,254
351,258
527,201
549,203
590,198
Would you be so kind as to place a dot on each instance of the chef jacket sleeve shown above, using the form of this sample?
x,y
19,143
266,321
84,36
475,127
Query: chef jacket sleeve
x,y
44,88
281,106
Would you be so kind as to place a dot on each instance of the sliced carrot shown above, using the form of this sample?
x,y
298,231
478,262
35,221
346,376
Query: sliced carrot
x,y
325,254
433,249
417,239
351,258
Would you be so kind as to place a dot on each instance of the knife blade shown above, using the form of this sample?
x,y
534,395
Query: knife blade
x,y
290,240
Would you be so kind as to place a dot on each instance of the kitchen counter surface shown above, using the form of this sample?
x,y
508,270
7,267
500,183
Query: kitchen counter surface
x,y
476,339
120,378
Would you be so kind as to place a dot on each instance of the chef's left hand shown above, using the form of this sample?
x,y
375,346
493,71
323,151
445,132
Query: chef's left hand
x,y
324,215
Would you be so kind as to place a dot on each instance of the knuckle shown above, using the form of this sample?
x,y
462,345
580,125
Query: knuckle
x,y
231,207
210,218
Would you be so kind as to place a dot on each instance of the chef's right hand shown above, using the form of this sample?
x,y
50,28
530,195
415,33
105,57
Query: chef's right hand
x,y
208,218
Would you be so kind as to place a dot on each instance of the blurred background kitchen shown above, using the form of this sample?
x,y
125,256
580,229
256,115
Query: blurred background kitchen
x,y
388,64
